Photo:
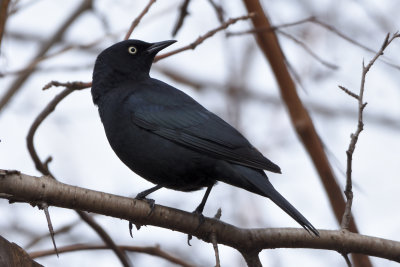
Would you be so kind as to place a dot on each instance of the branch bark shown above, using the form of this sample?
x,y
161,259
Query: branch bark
x,y
17,186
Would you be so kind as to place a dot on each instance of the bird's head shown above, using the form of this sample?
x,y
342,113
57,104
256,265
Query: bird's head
x,y
130,57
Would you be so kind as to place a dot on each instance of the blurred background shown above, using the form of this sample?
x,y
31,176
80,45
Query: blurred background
x,y
230,76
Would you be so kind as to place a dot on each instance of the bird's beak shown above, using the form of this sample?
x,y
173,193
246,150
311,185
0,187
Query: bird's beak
x,y
157,47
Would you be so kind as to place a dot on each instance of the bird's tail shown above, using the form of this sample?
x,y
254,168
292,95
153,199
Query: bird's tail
x,y
279,200
257,182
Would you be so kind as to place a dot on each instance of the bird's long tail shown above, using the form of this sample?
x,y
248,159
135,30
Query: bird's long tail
x,y
257,182
270,192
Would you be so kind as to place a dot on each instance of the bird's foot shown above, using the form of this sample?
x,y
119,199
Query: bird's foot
x,y
201,218
131,227
151,202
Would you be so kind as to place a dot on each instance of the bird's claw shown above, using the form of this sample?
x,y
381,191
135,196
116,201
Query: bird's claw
x,y
151,202
131,227
201,221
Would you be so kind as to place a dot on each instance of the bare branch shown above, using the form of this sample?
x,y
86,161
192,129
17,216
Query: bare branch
x,y
214,240
219,10
247,241
45,208
136,21
309,50
182,15
61,230
350,93
317,22
360,126
202,38
346,258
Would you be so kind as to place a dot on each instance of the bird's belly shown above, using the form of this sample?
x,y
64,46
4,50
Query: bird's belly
x,y
160,160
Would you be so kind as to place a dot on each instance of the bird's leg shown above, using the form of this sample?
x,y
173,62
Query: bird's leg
x,y
142,196
199,210
145,193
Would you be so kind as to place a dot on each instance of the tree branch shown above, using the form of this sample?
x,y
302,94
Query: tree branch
x,y
247,241
202,38
136,21
360,126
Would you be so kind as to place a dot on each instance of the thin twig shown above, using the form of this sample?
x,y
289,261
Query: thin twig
x,y
360,126
155,251
350,93
183,12
317,22
219,10
202,38
309,50
136,21
346,258
272,28
43,115
61,230
45,207
214,240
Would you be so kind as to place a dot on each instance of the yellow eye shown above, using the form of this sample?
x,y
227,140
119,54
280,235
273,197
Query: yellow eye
x,y
132,50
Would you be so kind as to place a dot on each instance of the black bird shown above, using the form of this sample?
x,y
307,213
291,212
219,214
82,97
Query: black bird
x,y
167,137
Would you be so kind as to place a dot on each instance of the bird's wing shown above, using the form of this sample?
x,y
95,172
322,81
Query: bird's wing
x,y
177,117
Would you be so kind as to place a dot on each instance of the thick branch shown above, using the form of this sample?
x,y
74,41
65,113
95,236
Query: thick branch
x,y
247,241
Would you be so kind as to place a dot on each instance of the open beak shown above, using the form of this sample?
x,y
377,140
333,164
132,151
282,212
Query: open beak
x,y
157,47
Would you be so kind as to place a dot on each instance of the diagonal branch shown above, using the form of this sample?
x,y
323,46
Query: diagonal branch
x,y
136,21
183,12
202,38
